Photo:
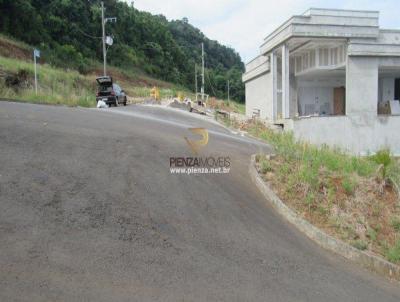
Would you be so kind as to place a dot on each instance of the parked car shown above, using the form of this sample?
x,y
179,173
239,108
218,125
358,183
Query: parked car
x,y
109,92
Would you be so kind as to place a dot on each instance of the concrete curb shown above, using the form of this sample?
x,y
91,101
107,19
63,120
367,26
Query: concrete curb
x,y
365,259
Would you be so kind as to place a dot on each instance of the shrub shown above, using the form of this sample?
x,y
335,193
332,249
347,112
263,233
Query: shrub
x,y
66,56
310,198
18,80
266,166
309,175
395,222
393,253
372,234
360,244
348,185
123,56
383,158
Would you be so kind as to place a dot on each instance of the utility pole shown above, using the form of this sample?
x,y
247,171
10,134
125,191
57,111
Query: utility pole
x,y
34,59
36,54
195,79
103,25
229,96
106,40
202,71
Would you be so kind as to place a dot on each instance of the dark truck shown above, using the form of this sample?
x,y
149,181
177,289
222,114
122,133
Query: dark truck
x,y
110,93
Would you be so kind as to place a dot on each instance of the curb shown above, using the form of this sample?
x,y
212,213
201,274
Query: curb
x,y
365,259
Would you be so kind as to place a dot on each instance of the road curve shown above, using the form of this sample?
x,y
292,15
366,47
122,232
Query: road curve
x,y
90,212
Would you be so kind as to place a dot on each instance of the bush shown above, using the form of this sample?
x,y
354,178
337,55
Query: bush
x,y
393,253
266,166
372,234
360,244
348,185
18,80
123,56
66,56
396,223
383,158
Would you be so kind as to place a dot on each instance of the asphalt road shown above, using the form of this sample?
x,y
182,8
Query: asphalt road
x,y
90,212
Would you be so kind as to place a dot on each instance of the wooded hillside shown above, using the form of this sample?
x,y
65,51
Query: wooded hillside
x,y
69,34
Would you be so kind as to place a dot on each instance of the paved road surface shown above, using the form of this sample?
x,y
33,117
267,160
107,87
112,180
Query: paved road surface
x,y
90,212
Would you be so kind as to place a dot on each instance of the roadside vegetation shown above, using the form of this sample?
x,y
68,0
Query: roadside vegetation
x,y
228,106
57,86
65,86
68,33
68,87
352,198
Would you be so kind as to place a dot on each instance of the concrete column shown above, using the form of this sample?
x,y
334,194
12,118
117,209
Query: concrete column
x,y
274,73
361,86
285,82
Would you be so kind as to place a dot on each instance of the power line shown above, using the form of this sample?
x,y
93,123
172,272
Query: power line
x,y
85,34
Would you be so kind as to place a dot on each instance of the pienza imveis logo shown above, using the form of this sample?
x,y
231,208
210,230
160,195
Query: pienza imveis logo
x,y
197,164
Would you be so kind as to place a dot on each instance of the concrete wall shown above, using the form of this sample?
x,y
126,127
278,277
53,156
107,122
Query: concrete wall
x,y
259,96
321,98
361,131
361,86
325,23
370,52
353,134
256,63
318,92
293,95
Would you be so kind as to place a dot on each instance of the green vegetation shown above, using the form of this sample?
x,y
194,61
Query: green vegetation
x,y
396,223
314,159
348,185
393,253
360,244
56,85
348,196
383,159
68,31
68,87
235,106
265,166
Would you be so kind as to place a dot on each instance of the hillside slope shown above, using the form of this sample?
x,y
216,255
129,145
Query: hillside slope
x,y
68,31
65,86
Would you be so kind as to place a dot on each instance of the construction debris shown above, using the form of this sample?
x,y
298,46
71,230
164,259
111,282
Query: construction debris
x,y
101,104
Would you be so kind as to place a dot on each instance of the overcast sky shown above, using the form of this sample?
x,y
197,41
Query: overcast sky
x,y
242,24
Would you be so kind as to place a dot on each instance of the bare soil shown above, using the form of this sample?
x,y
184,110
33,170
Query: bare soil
x,y
363,218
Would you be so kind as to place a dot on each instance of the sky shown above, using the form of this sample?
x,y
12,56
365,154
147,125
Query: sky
x,y
243,24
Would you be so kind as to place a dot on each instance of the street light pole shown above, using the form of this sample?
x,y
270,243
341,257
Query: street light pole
x,y
36,54
202,72
229,95
34,60
103,24
195,80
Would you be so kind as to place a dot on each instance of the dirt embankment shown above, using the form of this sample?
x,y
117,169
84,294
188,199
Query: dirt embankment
x,y
11,49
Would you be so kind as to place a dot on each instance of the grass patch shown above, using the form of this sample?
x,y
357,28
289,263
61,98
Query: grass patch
x,y
349,186
265,166
68,87
229,106
393,253
395,222
360,244
56,86
349,197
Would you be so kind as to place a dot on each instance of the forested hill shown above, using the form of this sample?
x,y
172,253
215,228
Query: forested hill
x,y
68,31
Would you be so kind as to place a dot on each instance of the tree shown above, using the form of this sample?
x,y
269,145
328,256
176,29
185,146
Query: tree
x,y
69,30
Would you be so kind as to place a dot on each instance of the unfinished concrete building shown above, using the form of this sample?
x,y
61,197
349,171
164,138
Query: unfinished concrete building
x,y
332,77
